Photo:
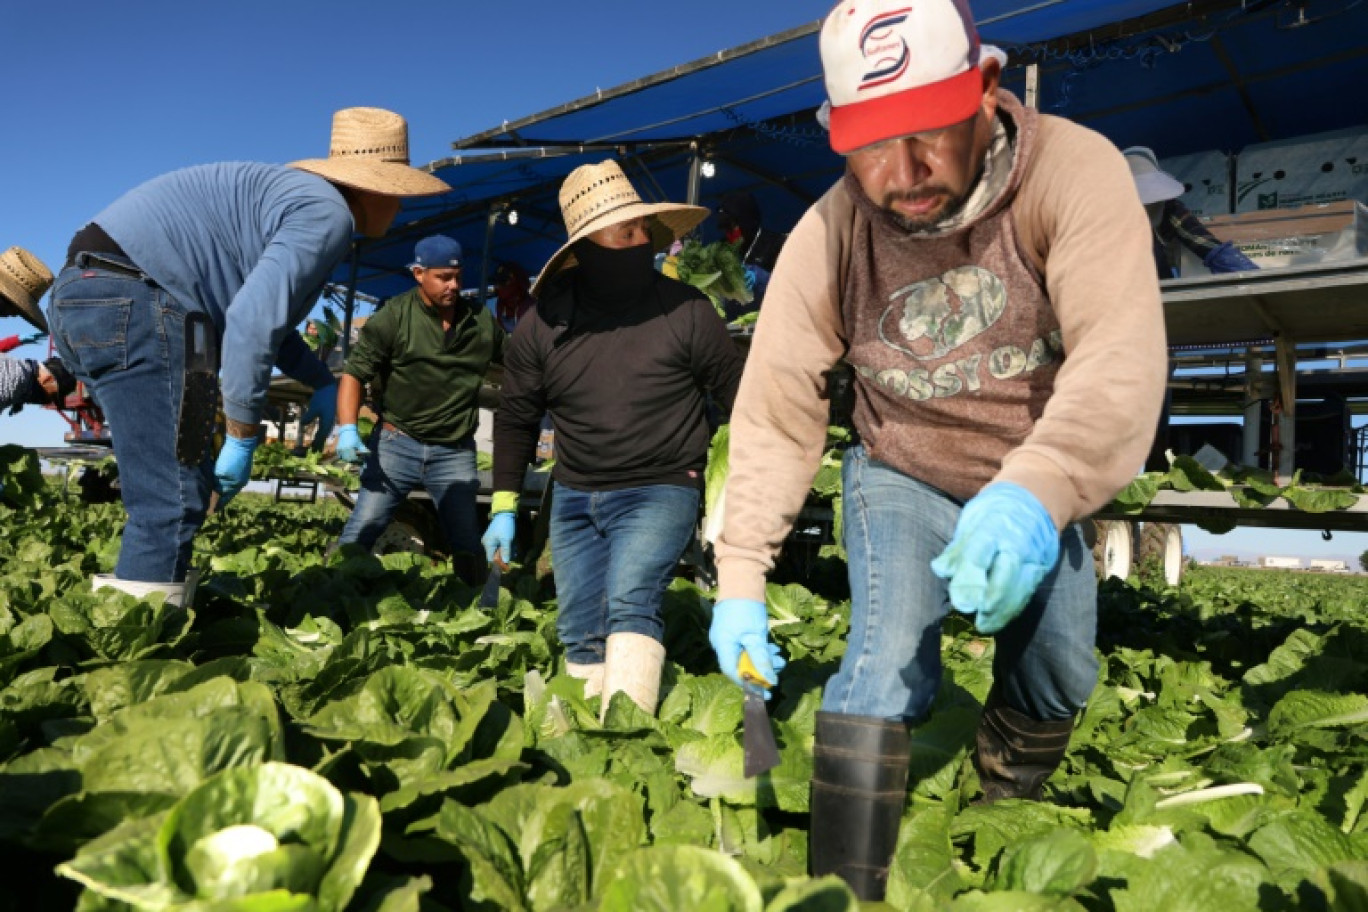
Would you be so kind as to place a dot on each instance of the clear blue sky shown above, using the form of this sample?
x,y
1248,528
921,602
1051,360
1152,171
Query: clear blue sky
x,y
102,96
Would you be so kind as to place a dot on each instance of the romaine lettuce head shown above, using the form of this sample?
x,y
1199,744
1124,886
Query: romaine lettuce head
x,y
271,829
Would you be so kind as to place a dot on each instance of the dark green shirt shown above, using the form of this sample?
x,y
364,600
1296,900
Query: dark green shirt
x,y
428,378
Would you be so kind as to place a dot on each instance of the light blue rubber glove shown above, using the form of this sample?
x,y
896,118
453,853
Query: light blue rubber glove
x,y
498,538
743,624
750,279
323,409
233,468
349,445
1004,544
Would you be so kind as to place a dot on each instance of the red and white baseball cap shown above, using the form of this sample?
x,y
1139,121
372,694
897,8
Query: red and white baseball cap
x,y
896,67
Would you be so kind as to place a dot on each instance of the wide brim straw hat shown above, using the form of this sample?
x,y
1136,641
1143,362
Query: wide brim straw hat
x,y
1154,184
24,279
596,196
370,151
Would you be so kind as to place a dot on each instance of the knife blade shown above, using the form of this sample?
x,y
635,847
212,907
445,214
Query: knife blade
x,y
489,598
761,751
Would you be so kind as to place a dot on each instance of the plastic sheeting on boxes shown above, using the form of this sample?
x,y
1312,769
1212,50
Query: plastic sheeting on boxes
x,y
1206,177
1310,170
1290,237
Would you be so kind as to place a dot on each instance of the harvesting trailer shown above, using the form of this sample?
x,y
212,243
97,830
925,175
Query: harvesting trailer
x,y
1269,366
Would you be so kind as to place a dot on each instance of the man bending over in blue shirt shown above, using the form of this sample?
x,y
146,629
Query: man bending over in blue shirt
x,y
223,258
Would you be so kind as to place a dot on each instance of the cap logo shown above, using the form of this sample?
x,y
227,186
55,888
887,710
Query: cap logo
x,y
884,48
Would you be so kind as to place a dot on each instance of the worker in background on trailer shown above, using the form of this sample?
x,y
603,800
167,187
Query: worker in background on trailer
x,y
986,270
624,359
512,294
228,258
24,279
427,351
1174,224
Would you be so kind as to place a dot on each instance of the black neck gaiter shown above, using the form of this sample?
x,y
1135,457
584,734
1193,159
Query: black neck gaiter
x,y
611,279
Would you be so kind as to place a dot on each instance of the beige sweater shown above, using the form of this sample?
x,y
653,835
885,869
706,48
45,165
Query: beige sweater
x,y
1026,345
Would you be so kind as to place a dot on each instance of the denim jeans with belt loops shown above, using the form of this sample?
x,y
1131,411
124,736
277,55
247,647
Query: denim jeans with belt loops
x,y
612,553
397,465
124,337
1044,664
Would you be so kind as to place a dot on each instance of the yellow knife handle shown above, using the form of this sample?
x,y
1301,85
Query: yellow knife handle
x,y
746,669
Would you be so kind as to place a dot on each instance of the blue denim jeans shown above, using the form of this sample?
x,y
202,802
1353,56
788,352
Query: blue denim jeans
x,y
397,465
125,339
612,553
1044,664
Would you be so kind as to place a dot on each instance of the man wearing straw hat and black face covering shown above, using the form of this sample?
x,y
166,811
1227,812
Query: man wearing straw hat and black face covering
x,y
24,279
622,358
216,259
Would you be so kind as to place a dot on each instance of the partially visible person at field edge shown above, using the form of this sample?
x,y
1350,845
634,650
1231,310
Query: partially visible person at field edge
x,y
221,258
512,294
738,218
428,350
24,279
986,271
624,359
1174,224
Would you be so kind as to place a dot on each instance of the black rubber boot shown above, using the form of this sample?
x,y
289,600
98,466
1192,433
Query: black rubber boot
x,y
859,788
1015,754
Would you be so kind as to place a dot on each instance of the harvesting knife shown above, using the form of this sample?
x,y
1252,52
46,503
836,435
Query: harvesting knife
x,y
490,597
761,752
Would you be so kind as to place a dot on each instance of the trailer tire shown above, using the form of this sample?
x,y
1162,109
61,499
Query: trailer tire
x,y
1114,548
1162,545
98,487
414,528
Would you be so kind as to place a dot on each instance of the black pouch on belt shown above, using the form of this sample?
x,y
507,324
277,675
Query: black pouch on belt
x,y
200,397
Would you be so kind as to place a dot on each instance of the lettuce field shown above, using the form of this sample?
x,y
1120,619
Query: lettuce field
x,y
356,733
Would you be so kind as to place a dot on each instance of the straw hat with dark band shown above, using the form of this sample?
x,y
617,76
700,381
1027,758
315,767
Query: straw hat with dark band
x,y
596,196
23,282
370,151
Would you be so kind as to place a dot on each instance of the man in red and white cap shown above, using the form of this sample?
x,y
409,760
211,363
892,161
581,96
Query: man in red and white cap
x,y
986,272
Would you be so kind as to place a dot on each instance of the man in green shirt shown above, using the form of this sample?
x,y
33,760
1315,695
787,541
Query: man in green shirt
x,y
428,351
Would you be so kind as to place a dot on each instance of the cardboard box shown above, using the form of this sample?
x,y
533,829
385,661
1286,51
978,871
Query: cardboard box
x,y
1304,236
1207,179
1310,170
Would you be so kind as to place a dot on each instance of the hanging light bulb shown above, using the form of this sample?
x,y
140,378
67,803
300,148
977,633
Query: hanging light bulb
x,y
707,169
512,216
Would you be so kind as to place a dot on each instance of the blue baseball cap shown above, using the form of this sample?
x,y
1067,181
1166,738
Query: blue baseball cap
x,y
437,252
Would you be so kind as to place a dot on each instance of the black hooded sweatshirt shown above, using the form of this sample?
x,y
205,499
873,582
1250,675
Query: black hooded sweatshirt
x,y
625,367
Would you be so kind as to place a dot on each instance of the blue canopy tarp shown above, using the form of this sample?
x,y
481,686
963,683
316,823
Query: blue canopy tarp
x,y
1179,78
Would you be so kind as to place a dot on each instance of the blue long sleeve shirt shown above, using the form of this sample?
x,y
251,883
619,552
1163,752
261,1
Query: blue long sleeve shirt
x,y
251,246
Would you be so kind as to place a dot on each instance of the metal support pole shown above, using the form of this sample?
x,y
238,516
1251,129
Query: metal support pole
x,y
349,303
1287,394
490,221
695,175
1252,402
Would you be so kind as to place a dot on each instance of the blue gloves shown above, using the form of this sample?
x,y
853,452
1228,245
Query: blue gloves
x,y
498,538
1004,544
349,445
743,624
323,408
233,468
1228,258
